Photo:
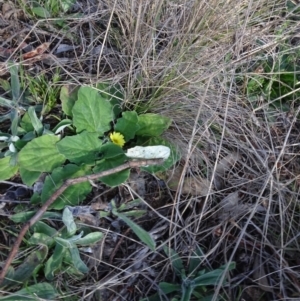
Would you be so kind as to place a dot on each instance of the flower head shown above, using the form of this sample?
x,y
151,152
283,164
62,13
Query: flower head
x,y
117,138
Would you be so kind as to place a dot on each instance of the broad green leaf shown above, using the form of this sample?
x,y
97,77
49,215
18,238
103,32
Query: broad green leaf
x,y
73,194
41,12
43,291
42,227
128,125
68,96
81,148
7,171
36,123
168,288
107,164
109,150
212,277
54,262
41,239
76,260
113,93
89,239
29,177
92,112
67,243
26,269
176,261
167,164
41,154
152,124
22,217
68,220
26,123
143,235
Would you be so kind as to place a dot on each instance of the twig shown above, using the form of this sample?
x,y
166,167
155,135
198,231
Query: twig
x,y
67,183
15,184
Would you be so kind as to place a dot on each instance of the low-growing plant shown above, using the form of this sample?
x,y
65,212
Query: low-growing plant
x,y
99,134
193,283
97,145
275,81
63,244
42,89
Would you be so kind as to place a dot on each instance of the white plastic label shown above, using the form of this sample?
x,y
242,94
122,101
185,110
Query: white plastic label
x,y
149,152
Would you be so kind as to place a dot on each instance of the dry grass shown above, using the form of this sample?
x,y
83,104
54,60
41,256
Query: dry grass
x,y
182,59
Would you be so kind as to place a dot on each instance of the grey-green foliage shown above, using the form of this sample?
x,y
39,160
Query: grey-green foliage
x,y
192,282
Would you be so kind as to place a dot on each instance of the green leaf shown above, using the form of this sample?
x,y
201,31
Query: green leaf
x,y
135,213
176,261
29,177
143,235
167,164
36,123
152,124
26,123
67,243
113,93
212,277
109,150
30,293
73,194
168,288
41,154
62,125
80,148
195,260
68,220
76,260
7,171
89,239
41,12
54,262
6,102
107,164
22,217
128,125
15,83
92,112
41,239
14,117
68,96
26,269
42,227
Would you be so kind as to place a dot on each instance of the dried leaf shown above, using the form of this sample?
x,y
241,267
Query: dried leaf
x,y
37,51
195,185
224,166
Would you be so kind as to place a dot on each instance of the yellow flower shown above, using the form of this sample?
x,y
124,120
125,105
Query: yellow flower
x,y
117,138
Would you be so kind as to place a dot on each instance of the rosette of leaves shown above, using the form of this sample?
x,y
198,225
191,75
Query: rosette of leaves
x,y
94,114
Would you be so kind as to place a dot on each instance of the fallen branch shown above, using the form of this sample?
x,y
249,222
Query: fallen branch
x,y
67,183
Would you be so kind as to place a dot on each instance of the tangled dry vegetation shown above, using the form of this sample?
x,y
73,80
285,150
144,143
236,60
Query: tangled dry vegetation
x,y
236,195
